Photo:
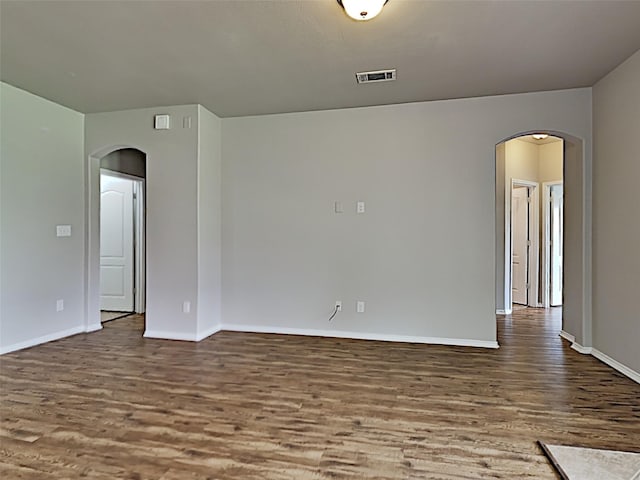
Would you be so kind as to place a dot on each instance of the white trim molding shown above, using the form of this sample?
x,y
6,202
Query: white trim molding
x,y
623,369
207,333
43,339
166,335
546,236
533,208
504,312
567,336
580,349
182,336
460,342
189,337
94,327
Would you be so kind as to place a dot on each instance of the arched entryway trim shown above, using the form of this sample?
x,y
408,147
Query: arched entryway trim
x,y
92,234
576,318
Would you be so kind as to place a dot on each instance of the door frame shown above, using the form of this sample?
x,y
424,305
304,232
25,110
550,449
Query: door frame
x,y
139,241
546,231
533,262
92,233
577,261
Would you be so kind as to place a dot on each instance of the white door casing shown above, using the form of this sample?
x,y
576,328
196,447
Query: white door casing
x,y
139,246
556,221
520,245
116,244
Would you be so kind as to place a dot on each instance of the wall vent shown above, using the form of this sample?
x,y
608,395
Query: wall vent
x,y
376,76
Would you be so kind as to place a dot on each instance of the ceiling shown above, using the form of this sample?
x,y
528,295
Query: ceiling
x,y
543,141
249,57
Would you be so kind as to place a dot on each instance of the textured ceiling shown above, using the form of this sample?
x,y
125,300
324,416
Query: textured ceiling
x,y
246,57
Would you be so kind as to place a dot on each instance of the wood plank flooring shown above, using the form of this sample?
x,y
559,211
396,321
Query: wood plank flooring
x,y
113,405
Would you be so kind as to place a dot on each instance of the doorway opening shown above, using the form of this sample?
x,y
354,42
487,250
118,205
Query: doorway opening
x,y
531,207
524,258
553,234
121,211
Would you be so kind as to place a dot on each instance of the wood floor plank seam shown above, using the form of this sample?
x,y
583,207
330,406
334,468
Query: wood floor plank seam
x,y
112,404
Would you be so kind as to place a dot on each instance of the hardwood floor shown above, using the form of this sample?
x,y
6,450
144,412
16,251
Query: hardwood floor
x,y
113,405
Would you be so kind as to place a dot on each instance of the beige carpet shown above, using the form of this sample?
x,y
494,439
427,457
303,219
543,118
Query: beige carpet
x,y
577,463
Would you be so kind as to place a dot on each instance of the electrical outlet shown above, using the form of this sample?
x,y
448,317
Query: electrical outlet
x,y
59,305
338,305
360,307
186,307
63,230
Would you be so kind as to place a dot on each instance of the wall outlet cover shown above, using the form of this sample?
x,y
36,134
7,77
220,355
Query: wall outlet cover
x,y
63,230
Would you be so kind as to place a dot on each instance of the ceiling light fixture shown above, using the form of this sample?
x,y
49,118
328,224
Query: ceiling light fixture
x,y
362,9
539,136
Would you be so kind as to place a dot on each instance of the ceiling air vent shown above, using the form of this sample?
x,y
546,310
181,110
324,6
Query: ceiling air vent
x,y
377,76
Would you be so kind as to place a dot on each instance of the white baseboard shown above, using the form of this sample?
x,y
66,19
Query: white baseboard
x,y
461,342
43,339
93,327
207,333
504,312
186,337
623,369
567,336
580,349
166,335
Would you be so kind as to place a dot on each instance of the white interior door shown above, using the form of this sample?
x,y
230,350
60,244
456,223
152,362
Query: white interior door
x,y
520,245
116,243
556,214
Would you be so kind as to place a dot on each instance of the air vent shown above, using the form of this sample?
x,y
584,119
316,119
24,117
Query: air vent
x,y
377,76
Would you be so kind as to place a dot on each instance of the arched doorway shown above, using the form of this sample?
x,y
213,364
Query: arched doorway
x,y
122,233
576,227
116,274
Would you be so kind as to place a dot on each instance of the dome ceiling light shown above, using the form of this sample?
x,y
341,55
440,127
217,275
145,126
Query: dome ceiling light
x,y
362,9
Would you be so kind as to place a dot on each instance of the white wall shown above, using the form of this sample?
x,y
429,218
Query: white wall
x,y
183,213
550,156
171,222
41,187
616,217
209,223
522,161
422,256
501,233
